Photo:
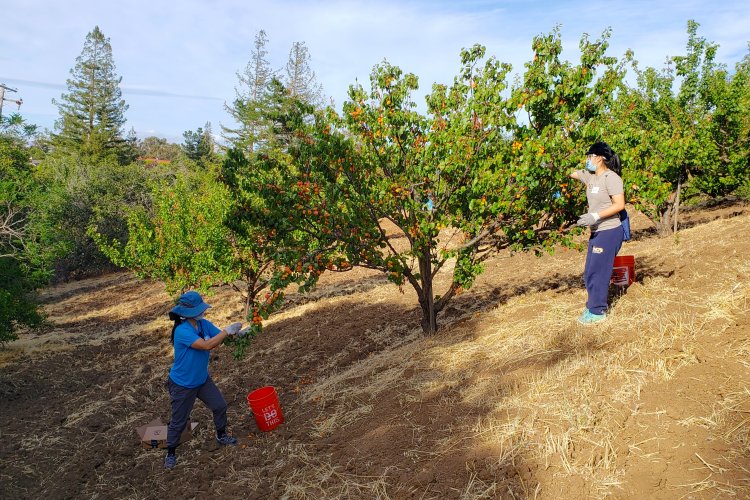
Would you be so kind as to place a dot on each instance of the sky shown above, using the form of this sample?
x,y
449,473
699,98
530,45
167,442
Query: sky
x,y
179,60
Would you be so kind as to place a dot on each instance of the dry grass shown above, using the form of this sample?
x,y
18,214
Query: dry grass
x,y
522,378
554,392
318,478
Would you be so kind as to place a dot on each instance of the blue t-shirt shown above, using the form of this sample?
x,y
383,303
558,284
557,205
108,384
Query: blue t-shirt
x,y
190,367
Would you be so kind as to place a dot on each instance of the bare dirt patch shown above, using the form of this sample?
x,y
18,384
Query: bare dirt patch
x,y
511,399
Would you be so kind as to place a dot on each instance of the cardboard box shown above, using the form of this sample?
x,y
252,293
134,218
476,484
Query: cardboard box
x,y
154,434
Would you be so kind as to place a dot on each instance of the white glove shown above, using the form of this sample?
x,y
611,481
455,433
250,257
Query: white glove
x,y
233,329
588,219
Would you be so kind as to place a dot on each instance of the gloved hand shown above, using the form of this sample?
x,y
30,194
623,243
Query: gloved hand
x,y
233,329
588,219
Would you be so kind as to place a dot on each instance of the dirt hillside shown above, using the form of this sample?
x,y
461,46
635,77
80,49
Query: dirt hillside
x,y
511,399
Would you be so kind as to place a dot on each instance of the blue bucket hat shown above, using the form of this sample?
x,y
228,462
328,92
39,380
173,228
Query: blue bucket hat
x,y
190,305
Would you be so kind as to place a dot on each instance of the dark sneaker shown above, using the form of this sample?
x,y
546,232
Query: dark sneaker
x,y
170,461
226,439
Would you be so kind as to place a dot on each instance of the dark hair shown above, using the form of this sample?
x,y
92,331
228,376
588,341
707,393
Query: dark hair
x,y
177,322
611,160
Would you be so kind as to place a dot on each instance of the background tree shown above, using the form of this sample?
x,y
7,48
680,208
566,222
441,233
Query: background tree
x,y
199,145
683,124
300,80
724,113
256,87
26,249
181,238
249,102
89,167
158,148
92,112
14,126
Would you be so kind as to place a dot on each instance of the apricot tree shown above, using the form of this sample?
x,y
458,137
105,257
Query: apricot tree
x,y
410,194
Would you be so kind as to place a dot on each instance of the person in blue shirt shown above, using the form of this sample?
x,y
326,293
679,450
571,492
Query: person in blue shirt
x,y
193,337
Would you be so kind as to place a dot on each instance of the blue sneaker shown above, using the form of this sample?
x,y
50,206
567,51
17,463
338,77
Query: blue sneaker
x,y
170,461
589,318
226,439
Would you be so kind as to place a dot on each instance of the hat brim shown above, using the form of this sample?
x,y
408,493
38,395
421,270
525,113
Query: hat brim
x,y
190,312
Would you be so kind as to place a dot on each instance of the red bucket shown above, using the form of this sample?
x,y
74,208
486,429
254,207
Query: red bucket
x,y
623,270
266,408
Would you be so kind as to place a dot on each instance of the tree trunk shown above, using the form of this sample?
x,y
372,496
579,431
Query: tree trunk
x,y
664,226
248,299
677,204
427,298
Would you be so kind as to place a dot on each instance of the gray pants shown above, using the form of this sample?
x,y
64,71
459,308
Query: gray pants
x,y
183,400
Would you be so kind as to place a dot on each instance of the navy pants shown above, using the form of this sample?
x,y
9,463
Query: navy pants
x,y
603,247
183,400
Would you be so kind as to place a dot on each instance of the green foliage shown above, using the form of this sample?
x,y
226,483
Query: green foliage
x,y
249,103
453,184
17,303
159,149
15,127
199,146
744,190
81,194
724,150
686,123
180,239
561,109
25,250
92,111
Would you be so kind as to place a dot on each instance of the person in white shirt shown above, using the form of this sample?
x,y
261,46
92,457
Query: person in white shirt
x,y
606,198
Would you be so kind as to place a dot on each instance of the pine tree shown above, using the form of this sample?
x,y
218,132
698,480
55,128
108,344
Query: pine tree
x,y
199,145
247,107
258,92
92,111
300,80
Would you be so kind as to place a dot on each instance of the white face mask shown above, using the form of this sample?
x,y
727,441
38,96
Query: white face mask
x,y
198,318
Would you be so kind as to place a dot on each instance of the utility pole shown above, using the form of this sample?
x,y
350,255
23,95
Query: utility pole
x,y
3,88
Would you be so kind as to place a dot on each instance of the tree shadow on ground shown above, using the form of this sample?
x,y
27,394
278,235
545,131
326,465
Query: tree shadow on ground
x,y
725,211
645,233
330,291
382,442
718,204
65,291
699,214
292,353
475,300
646,267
